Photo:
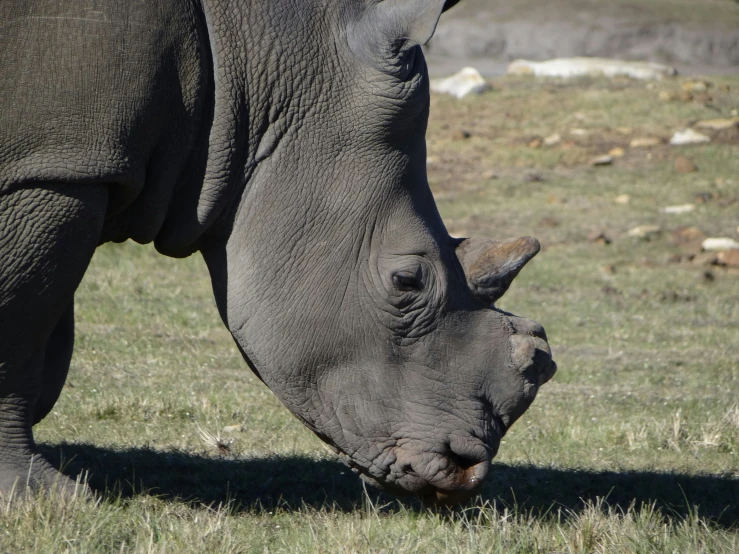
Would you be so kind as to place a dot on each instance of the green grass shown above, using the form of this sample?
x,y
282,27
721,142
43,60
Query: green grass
x,y
631,448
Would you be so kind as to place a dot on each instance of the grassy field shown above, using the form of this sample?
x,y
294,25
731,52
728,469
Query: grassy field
x,y
633,447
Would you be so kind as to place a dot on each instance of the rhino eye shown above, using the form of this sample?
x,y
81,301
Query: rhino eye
x,y
407,281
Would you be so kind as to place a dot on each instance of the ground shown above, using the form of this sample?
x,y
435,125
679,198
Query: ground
x,y
633,447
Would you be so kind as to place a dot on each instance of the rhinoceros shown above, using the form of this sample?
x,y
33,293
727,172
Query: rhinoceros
x,y
285,142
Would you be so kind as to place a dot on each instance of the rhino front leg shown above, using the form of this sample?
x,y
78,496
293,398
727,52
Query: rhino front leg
x,y
48,234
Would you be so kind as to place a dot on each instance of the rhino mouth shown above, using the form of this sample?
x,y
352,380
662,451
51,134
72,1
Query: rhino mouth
x,y
450,475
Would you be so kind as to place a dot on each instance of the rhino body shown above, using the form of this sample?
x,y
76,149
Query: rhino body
x,y
284,141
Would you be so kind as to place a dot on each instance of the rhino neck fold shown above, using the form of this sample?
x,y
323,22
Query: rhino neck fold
x,y
253,86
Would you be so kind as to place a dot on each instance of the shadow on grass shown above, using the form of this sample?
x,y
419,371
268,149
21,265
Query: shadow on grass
x,y
294,482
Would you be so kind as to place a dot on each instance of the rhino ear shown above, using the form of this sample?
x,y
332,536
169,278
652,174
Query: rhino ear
x,y
491,266
413,21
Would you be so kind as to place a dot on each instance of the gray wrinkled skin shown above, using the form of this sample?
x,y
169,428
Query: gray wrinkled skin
x,y
285,142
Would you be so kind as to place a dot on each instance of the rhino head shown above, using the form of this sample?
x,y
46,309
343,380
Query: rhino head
x,y
335,274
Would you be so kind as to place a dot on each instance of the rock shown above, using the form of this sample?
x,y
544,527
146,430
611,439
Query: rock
x,y
668,96
579,132
467,81
578,67
695,86
624,130
676,210
460,134
645,142
622,199
645,231
703,98
617,152
685,165
599,237
601,161
549,221
719,244
536,142
704,197
688,136
533,178
729,258
718,124
552,140
233,428
688,235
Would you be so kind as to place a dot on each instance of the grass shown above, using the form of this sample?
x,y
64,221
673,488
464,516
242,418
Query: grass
x,y
632,448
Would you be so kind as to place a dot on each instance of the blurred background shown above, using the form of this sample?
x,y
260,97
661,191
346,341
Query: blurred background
x,y
696,36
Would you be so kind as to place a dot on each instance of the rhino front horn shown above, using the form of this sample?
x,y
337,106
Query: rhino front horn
x,y
491,266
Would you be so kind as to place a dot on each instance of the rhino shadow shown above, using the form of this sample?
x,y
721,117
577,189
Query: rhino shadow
x,y
292,483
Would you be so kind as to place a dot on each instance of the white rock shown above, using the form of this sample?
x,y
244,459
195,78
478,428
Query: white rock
x,y
467,81
551,140
578,67
689,136
644,231
681,209
718,124
719,244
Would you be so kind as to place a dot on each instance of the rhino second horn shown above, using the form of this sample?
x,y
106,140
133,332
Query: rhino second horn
x,y
491,266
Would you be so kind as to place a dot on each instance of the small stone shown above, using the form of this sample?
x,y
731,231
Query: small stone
x,y
685,165
688,136
668,96
686,235
718,244
624,130
460,134
676,210
579,132
623,199
467,81
644,231
718,124
617,152
695,86
645,142
549,222
602,160
552,140
233,428
536,142
599,237
704,197
729,258
533,178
